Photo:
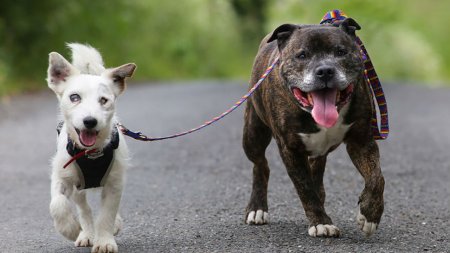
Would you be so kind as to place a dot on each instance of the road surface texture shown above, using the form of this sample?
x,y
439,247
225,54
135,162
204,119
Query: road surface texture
x,y
189,194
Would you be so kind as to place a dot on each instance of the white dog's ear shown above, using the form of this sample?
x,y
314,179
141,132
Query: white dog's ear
x,y
118,76
59,69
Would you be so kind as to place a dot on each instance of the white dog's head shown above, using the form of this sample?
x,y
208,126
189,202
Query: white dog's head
x,y
87,92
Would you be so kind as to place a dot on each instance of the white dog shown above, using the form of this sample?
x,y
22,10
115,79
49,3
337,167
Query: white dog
x,y
91,152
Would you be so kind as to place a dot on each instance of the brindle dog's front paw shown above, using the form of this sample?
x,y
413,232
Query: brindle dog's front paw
x,y
258,217
371,208
367,227
324,230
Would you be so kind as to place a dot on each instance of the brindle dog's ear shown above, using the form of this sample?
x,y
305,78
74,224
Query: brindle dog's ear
x,y
282,33
349,26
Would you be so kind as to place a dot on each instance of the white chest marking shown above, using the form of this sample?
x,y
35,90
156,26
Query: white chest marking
x,y
319,143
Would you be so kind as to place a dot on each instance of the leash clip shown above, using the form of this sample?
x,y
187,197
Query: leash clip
x,y
94,154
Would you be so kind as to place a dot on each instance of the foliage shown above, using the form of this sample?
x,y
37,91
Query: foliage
x,y
407,40
210,38
166,39
252,18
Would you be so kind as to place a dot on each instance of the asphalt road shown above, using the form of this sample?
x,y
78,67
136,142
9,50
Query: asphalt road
x,y
189,194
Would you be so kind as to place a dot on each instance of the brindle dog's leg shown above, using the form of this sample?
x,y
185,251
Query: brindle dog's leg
x,y
256,138
317,165
299,171
366,158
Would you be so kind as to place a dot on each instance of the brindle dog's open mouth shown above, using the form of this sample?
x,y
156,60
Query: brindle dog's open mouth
x,y
324,103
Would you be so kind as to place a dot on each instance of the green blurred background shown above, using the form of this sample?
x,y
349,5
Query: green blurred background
x,y
212,39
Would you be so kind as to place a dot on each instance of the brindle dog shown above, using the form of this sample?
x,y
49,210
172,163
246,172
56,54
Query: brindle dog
x,y
315,99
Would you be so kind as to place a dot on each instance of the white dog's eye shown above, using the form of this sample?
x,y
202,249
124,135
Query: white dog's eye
x,y
103,100
74,98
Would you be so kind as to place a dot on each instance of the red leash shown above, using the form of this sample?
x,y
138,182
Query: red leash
x,y
77,156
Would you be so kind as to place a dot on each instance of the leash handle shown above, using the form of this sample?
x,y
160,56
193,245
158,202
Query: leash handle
x,y
141,137
381,132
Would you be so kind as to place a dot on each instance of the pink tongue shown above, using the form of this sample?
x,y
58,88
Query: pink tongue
x,y
88,138
324,111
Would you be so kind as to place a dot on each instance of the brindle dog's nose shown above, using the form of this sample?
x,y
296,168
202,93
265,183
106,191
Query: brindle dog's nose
x,y
90,122
325,73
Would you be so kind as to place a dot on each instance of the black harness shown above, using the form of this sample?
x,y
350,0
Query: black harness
x,y
93,168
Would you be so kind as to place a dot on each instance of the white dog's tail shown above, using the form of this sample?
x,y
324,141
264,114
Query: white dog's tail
x,y
86,59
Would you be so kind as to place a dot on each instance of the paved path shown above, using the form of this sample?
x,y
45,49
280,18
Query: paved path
x,y
189,194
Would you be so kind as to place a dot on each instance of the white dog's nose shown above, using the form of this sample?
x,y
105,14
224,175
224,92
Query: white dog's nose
x,y
90,122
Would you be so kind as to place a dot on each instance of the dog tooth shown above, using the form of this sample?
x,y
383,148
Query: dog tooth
x,y
310,100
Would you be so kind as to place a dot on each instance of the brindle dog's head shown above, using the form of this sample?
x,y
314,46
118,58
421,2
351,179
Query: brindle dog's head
x,y
320,64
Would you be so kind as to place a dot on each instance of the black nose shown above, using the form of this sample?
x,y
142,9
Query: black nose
x,y
90,122
325,73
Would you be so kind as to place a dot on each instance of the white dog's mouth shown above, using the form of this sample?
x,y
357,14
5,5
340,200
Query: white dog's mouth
x,y
324,104
87,137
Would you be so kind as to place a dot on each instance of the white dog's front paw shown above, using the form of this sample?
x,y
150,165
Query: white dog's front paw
x,y
326,230
63,218
367,227
105,245
84,239
258,218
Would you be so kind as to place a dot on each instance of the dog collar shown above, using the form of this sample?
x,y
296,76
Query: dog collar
x,y
335,18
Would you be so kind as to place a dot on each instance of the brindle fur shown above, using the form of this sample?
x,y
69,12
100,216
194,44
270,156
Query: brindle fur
x,y
273,112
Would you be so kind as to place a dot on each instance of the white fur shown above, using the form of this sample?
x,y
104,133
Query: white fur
x,y
86,59
258,218
88,78
319,143
308,78
324,231
367,227
341,78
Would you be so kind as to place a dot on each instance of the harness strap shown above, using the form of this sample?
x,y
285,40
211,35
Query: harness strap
x,y
335,17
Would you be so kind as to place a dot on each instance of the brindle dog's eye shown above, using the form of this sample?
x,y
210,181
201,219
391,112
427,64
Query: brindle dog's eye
x,y
74,98
301,55
103,100
341,52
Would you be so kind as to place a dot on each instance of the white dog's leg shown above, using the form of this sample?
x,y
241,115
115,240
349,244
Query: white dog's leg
x,y
86,236
118,224
60,209
104,227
